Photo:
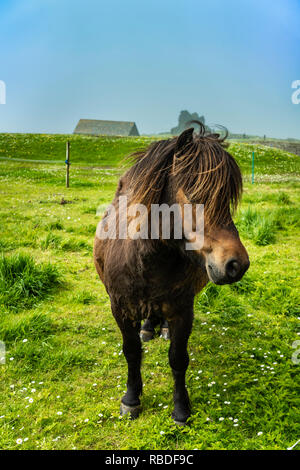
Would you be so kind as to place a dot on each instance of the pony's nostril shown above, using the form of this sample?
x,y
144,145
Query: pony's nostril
x,y
232,268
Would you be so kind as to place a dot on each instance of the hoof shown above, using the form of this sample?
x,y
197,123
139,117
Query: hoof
x,y
164,333
134,411
180,423
180,420
146,335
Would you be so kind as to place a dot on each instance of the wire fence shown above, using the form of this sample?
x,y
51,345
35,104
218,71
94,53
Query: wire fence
x,y
10,159
65,162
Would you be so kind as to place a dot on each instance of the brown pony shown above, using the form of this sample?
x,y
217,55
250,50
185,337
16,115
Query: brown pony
x,y
157,279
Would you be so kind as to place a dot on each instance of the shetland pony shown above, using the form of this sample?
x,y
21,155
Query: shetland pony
x,y
157,278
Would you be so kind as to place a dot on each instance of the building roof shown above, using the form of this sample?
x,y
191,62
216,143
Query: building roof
x,y
98,127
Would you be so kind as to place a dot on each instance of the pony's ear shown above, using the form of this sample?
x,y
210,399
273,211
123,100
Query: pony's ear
x,y
184,138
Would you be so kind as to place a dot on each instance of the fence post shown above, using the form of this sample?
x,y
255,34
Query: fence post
x,y
252,167
67,163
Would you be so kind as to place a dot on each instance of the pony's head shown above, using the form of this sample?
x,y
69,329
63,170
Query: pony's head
x,y
205,173
195,168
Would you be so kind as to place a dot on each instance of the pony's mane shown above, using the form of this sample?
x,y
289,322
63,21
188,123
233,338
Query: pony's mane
x,y
200,166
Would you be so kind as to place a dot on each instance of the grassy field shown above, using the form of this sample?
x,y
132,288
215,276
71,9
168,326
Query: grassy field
x,y
65,371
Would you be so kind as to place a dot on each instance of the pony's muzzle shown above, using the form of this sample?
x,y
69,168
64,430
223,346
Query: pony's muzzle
x,y
233,271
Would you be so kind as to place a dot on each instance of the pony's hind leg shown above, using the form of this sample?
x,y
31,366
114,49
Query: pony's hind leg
x,y
154,319
132,349
148,329
164,330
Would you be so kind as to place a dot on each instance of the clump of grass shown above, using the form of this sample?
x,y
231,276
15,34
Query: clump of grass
x,y
4,245
74,245
283,198
89,229
259,228
84,297
26,237
56,242
23,282
264,233
208,295
32,327
247,220
89,210
55,225
51,241
287,217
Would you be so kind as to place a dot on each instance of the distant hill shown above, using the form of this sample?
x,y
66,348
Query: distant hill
x,y
184,118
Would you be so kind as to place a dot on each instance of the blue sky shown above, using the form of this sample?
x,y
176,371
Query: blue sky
x,y
232,60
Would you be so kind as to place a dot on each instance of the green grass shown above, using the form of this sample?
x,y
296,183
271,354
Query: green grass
x,y
257,227
104,151
23,282
65,372
53,241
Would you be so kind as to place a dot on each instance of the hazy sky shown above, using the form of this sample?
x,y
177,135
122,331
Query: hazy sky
x,y
232,60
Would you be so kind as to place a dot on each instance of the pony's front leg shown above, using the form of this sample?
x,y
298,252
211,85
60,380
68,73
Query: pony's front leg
x,y
180,329
132,349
